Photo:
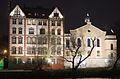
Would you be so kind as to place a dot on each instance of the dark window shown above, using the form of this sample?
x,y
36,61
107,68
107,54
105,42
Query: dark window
x,y
42,31
13,40
79,42
58,50
44,23
59,32
14,21
58,23
53,50
53,23
98,53
33,50
59,41
88,42
53,31
13,50
20,40
19,61
45,40
40,22
56,14
67,43
14,30
20,30
111,46
98,43
20,50
31,31
20,21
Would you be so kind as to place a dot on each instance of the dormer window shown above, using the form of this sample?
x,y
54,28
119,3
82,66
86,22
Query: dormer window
x,y
56,14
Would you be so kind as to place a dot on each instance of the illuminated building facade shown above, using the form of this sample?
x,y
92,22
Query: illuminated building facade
x,y
38,34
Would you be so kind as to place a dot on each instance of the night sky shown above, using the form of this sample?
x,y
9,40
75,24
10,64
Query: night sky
x,y
102,12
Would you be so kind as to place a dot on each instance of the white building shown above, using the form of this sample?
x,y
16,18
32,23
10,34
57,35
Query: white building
x,y
39,33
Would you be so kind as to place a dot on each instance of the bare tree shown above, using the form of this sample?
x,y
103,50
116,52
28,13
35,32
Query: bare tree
x,y
77,52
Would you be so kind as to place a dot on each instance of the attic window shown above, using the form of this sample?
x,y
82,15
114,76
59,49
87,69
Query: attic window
x,y
88,30
56,14
43,14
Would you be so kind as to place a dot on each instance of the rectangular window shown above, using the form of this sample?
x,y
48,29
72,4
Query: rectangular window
x,y
14,21
98,53
20,40
19,50
40,22
53,23
13,50
28,22
58,23
13,30
33,22
31,31
44,23
20,21
13,40
20,30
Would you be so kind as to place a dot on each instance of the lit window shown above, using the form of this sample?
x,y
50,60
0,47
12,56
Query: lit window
x,y
58,50
98,43
59,32
33,22
59,41
28,40
28,22
20,50
79,42
31,31
20,30
13,50
13,40
88,42
34,40
98,53
13,30
44,22
58,23
14,21
53,23
111,46
20,40
42,31
20,21
53,31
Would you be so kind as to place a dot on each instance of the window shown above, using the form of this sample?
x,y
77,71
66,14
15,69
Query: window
x,y
14,30
39,50
20,40
58,23
31,31
19,60
42,31
20,30
20,21
40,22
98,53
79,42
43,51
112,55
88,42
13,40
29,50
53,49
67,53
53,31
53,40
40,39
67,43
29,61
59,41
33,22
59,32
58,50
15,60
98,43
44,23
45,40
33,40
111,46
56,14
20,50
33,50
28,40
53,23
13,50
28,22
14,21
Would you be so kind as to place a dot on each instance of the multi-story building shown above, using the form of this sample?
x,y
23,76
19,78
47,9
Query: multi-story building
x,y
38,34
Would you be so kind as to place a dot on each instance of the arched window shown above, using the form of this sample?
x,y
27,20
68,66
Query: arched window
x,y
53,31
98,43
59,32
20,50
58,50
59,41
13,50
20,30
42,31
13,30
13,40
111,46
28,40
53,50
34,40
79,42
53,40
44,40
88,42
20,39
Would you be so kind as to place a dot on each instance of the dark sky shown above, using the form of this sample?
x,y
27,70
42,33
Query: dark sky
x,y
102,12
